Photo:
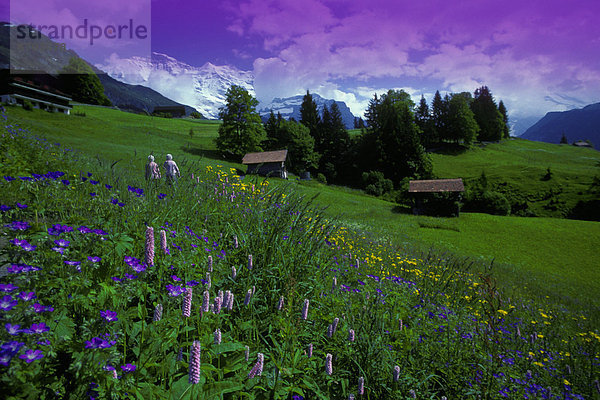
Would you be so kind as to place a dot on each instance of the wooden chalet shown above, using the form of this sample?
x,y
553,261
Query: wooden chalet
x,y
36,87
583,143
424,200
174,111
268,163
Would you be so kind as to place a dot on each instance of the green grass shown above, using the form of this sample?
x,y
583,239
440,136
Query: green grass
x,y
532,256
517,168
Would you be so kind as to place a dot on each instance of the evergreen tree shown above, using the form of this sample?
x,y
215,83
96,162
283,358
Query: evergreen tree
x,y
438,115
82,83
335,142
424,122
488,117
504,113
563,139
242,130
392,129
309,114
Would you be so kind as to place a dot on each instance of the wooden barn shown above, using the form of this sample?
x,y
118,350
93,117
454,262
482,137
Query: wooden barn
x,y
437,196
268,163
36,87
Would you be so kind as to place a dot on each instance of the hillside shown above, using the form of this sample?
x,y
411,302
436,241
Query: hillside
x,y
49,57
519,246
518,169
579,124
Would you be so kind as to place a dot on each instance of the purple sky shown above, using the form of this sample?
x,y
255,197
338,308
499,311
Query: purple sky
x,y
536,55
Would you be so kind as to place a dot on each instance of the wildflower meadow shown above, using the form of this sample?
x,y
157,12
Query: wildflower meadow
x,y
225,287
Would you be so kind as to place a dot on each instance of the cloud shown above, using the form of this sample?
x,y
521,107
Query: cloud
x,y
523,51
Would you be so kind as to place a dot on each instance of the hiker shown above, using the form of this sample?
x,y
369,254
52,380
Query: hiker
x,y
171,169
152,170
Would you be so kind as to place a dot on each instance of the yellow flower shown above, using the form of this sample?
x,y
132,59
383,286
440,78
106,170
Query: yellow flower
x,y
566,382
502,312
539,364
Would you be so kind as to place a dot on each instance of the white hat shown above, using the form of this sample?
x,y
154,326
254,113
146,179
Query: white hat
x,y
151,158
169,157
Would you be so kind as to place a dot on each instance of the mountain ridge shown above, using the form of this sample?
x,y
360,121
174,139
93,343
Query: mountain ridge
x,y
577,124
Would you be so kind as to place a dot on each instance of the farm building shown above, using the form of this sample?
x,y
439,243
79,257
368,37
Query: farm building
x,y
437,196
268,163
174,111
583,143
35,87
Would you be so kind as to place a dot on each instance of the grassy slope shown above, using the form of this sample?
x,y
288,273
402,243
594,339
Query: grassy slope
x,y
522,164
555,256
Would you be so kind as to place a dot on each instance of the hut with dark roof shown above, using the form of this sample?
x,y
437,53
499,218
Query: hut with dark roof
x,y
436,196
267,163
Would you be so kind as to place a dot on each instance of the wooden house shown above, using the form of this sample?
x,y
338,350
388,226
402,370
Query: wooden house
x,y
36,87
267,163
425,201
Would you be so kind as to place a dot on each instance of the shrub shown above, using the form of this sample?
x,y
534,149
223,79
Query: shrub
x,y
196,115
487,201
28,105
321,178
376,184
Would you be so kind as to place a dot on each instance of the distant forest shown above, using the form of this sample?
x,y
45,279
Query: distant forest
x,y
390,148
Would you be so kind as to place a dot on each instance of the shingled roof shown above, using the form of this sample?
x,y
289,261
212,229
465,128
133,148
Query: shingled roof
x,y
265,157
436,186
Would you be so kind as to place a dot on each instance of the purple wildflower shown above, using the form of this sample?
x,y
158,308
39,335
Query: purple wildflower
x,y
62,242
310,350
12,330
175,291
195,363
72,263
109,316
21,206
94,259
128,368
26,296
250,261
158,312
206,301
19,226
351,335
280,305
210,264
328,364
7,287
305,309
31,355
149,245
248,297
396,373
217,335
247,352
7,303
187,303
361,385
258,367
38,328
163,241
233,273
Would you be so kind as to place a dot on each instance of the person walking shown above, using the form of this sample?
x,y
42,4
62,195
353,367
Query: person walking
x,y
171,169
152,170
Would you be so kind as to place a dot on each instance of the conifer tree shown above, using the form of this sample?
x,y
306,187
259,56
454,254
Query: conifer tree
x,y
504,113
488,117
424,122
438,115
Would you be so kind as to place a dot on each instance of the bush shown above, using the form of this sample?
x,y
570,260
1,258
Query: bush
x,y
196,115
376,184
28,105
321,178
487,201
441,205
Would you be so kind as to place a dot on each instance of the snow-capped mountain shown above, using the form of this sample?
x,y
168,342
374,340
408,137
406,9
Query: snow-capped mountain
x,y
202,87
290,108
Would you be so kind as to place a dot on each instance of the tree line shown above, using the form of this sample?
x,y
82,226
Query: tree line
x,y
391,145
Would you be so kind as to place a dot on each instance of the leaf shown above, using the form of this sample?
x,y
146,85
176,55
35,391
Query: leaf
x,y
65,328
217,388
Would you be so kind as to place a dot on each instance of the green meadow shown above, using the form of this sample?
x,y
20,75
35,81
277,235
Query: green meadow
x,y
529,257
229,287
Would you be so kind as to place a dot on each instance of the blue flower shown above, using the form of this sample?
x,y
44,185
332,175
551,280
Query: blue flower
x,y
109,316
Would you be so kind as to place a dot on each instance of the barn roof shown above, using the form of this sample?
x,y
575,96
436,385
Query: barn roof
x,y
265,157
436,185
